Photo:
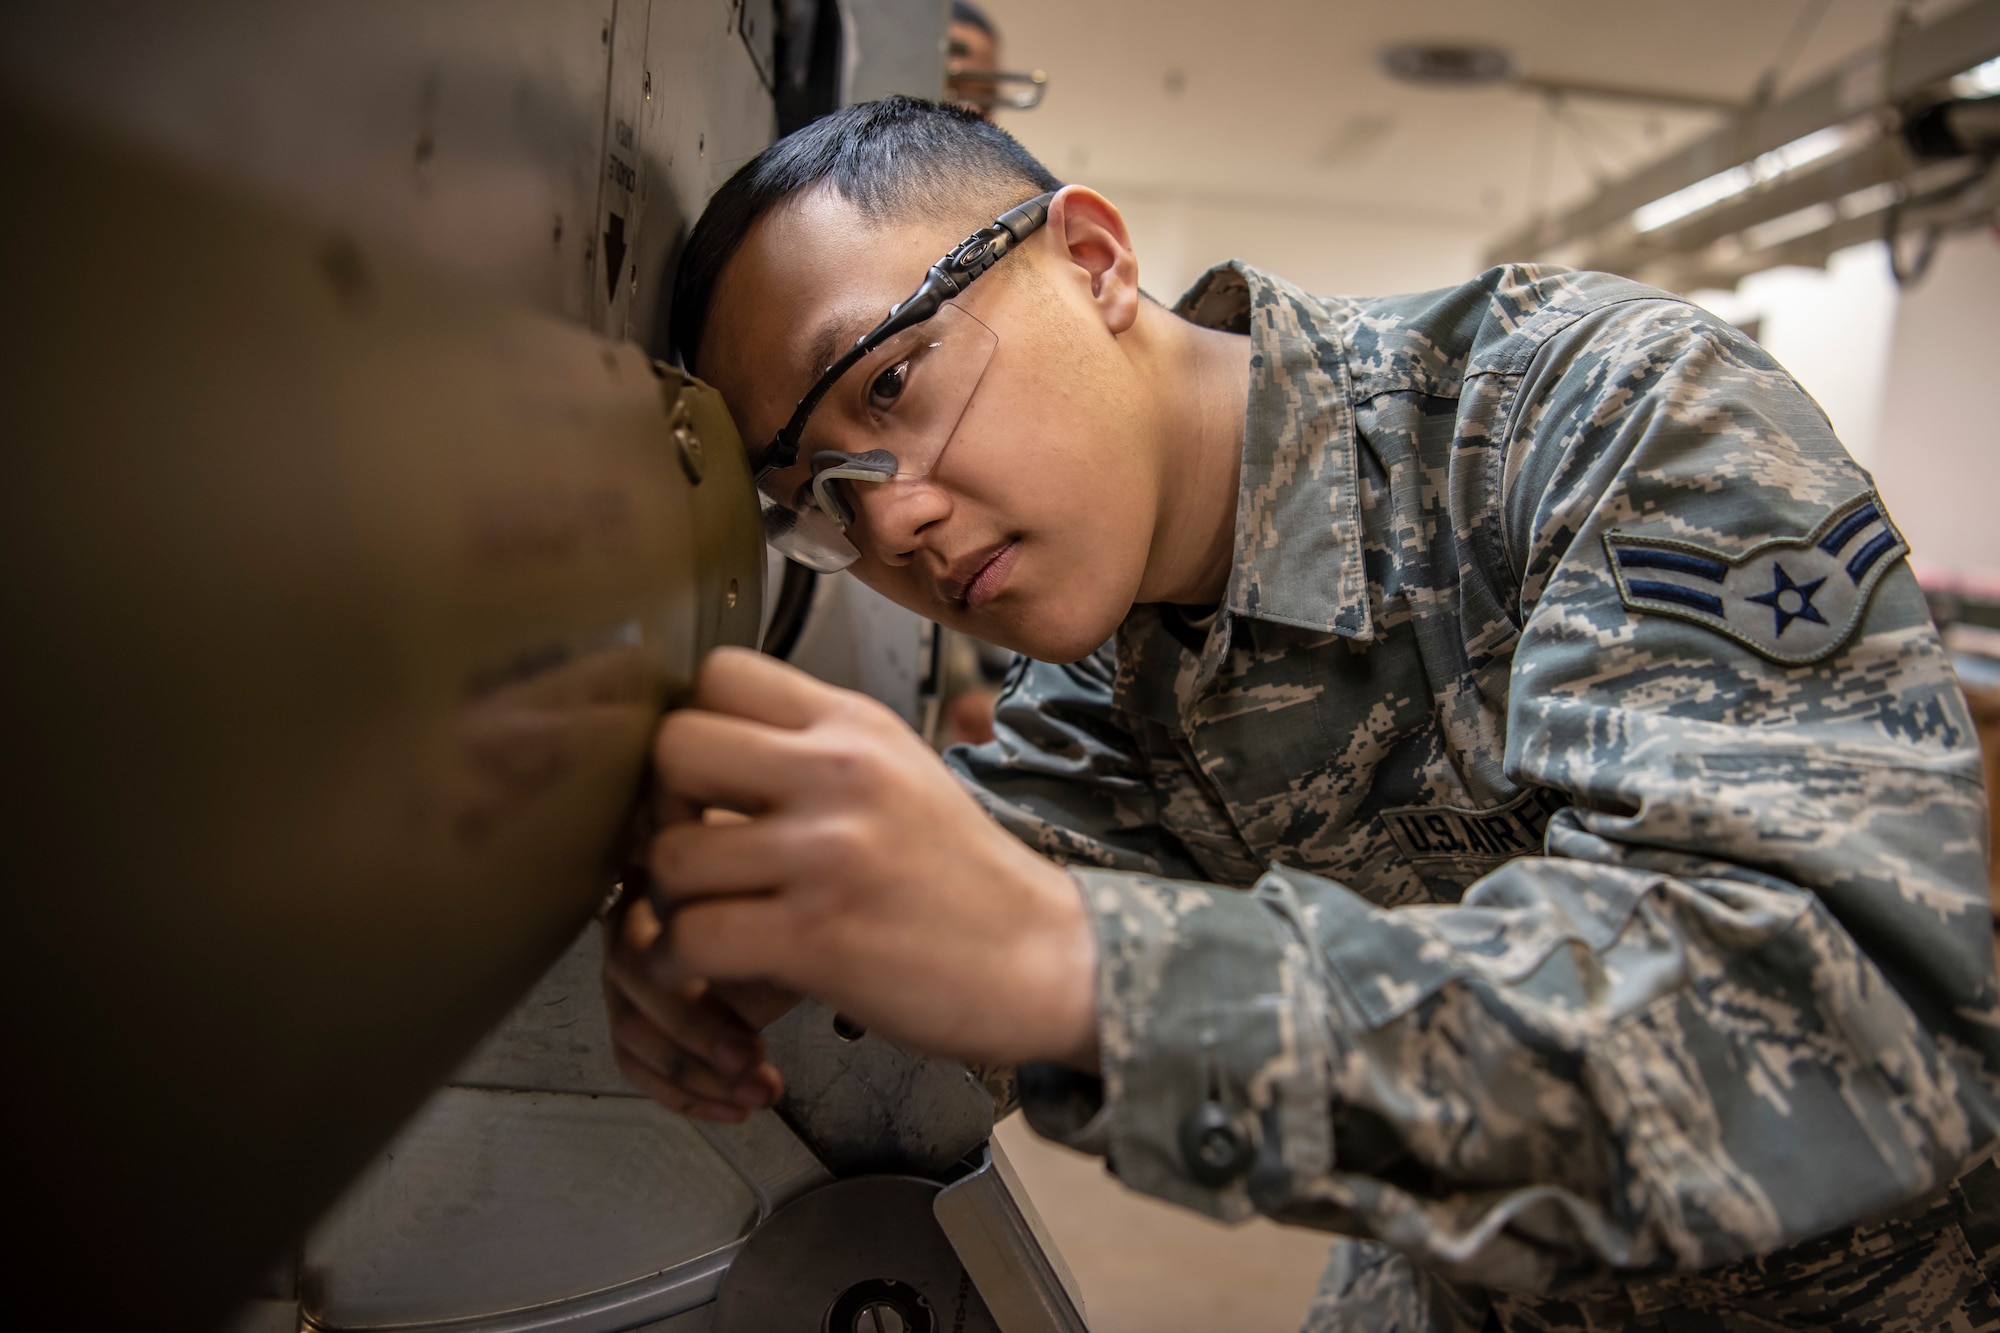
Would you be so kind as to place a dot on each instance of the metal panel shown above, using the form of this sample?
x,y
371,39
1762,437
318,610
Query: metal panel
x,y
862,1104
705,113
998,1235
616,272
893,46
342,601
469,132
556,1039
497,1202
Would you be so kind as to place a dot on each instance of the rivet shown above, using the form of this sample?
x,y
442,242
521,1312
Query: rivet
x,y
729,595
689,445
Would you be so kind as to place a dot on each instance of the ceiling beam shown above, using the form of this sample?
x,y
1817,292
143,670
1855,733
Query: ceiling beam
x,y
1620,249
1923,57
1952,200
1615,92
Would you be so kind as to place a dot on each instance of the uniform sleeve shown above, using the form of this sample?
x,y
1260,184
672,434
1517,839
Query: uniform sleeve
x,y
1064,775
1745,996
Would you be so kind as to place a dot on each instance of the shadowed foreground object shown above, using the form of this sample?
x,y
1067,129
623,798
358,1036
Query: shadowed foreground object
x,y
341,601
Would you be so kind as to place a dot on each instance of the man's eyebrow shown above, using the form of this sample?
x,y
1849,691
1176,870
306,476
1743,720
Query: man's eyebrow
x,y
834,336
827,344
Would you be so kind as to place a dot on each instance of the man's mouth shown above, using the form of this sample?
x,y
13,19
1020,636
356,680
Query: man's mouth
x,y
977,579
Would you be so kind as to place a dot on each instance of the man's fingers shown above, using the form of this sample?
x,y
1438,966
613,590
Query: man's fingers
x,y
753,685
744,937
671,1097
708,758
637,1039
682,1011
760,1003
691,860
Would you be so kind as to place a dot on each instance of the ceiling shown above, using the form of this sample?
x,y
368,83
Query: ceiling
x,y
1281,104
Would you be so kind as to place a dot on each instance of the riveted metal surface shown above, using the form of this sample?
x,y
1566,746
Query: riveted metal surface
x,y
342,602
862,1104
497,1203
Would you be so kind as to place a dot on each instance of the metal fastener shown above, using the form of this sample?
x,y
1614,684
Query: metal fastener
x,y
1216,1151
690,450
686,442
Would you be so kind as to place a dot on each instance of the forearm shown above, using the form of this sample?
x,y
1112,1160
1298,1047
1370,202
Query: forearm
x,y
1584,1068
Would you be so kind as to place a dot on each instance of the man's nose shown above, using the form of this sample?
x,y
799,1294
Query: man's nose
x,y
894,514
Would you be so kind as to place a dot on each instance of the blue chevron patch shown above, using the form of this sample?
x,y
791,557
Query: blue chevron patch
x,y
1793,599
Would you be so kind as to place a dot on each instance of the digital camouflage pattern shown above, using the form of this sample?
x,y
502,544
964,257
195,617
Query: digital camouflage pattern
x,y
1571,955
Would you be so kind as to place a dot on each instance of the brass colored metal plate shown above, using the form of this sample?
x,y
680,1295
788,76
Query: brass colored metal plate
x,y
340,603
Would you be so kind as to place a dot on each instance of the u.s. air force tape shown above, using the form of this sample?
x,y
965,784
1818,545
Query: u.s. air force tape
x,y
1793,599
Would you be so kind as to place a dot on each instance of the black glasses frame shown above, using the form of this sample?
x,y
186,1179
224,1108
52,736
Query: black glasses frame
x,y
947,278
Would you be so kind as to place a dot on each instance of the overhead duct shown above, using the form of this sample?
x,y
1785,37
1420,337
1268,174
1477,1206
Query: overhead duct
x,y
1896,141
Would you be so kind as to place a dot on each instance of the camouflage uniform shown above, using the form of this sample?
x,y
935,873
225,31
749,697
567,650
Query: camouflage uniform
x,y
1560,863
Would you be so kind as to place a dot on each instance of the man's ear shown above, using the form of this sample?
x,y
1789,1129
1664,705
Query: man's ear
x,y
1093,238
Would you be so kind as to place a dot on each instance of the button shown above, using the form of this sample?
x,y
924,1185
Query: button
x,y
1216,1151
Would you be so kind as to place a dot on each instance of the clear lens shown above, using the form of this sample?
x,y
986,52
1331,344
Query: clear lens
x,y
906,397
807,536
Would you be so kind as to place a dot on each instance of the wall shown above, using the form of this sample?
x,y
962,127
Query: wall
x,y
1831,329
1937,462
1903,376
1326,248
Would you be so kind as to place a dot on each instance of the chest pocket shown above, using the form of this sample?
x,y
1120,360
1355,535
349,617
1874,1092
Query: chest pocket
x,y
1450,847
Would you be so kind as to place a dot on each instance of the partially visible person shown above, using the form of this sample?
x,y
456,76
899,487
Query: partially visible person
x,y
973,77
971,55
1524,822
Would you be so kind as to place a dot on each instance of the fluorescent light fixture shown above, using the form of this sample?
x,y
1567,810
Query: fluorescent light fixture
x,y
1818,217
1804,222
1979,81
1760,170
1873,199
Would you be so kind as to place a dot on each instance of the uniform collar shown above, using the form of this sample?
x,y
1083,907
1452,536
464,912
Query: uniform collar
x,y
1298,514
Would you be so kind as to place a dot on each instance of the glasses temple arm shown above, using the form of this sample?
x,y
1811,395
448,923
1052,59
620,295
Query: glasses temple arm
x,y
946,279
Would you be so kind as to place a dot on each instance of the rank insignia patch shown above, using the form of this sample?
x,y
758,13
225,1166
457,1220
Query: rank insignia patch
x,y
1793,599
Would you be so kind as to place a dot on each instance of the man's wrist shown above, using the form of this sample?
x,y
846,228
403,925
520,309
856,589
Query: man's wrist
x,y
1070,969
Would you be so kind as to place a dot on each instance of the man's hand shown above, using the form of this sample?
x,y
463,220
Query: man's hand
x,y
690,1046
863,874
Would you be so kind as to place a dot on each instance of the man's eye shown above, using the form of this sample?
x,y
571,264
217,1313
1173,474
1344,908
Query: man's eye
x,y
887,387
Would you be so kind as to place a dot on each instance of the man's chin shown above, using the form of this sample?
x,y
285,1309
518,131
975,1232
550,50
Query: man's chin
x,y
1046,638
1019,621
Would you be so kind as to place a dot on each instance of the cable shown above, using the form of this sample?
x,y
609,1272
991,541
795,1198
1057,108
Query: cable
x,y
789,611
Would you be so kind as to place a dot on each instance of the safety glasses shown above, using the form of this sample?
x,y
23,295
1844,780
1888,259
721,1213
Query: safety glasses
x,y
888,407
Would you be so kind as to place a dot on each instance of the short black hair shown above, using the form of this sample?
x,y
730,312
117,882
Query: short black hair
x,y
961,12
896,158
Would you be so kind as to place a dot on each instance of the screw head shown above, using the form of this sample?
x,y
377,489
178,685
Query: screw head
x,y
880,1317
689,446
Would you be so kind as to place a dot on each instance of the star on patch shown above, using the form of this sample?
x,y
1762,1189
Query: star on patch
x,y
1789,601
1793,599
